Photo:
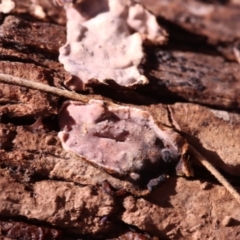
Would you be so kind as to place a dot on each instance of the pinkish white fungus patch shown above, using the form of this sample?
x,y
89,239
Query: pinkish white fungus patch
x,y
6,6
104,41
121,140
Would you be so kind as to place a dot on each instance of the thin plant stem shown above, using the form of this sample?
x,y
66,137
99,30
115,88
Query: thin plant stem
x,y
9,79
216,174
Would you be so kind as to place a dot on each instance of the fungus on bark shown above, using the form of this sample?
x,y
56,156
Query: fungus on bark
x,y
7,6
104,41
123,141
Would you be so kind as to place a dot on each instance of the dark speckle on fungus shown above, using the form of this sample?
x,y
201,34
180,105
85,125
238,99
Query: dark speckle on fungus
x,y
123,141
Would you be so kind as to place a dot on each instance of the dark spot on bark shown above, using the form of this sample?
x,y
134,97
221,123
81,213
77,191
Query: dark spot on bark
x,y
196,83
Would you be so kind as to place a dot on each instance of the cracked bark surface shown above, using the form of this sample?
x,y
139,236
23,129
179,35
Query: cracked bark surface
x,y
43,186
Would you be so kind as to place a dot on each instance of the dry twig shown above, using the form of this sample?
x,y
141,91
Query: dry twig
x,y
216,174
42,87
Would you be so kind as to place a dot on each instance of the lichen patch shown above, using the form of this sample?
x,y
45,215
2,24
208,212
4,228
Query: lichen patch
x,y
7,6
104,41
121,140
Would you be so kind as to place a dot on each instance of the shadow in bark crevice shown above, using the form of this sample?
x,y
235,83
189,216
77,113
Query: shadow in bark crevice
x,y
183,40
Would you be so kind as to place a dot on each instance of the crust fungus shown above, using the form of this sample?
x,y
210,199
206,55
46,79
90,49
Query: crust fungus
x,y
123,141
7,6
104,41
